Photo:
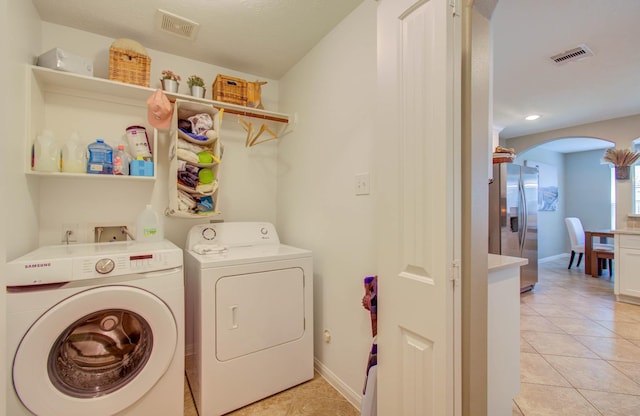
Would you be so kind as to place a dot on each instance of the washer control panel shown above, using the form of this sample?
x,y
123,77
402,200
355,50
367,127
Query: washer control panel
x,y
66,263
116,265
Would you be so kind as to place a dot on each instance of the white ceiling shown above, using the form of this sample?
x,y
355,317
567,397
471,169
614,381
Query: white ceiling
x,y
527,32
260,37
267,37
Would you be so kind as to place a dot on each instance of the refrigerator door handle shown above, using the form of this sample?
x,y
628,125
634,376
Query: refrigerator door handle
x,y
524,214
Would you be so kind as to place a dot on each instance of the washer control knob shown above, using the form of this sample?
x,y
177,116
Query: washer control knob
x,y
264,231
209,233
104,266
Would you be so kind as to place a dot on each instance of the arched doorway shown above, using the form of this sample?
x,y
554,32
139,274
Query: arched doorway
x,y
584,188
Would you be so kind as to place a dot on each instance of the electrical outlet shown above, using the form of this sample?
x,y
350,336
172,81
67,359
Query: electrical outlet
x,y
107,234
362,183
69,233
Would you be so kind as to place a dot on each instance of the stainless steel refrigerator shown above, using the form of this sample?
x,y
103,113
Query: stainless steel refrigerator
x,y
513,217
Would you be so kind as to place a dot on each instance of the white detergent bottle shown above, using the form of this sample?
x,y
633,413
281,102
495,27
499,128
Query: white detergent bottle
x,y
149,226
46,153
74,155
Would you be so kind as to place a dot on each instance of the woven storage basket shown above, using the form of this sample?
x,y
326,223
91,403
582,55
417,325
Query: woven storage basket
x,y
229,90
128,66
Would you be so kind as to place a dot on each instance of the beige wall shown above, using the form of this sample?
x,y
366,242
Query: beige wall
x,y
333,91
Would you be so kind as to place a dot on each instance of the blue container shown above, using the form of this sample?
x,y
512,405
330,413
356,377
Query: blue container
x,y
100,159
141,167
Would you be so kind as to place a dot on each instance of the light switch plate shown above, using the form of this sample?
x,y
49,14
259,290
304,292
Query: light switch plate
x,y
362,183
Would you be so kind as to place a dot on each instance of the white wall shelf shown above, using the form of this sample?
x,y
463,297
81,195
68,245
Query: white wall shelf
x,y
63,102
52,80
91,176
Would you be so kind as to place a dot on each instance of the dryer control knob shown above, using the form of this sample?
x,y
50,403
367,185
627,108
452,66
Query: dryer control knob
x,y
209,233
104,266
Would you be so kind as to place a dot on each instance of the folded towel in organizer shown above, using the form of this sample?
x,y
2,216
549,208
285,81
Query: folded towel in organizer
x,y
205,204
211,134
188,179
188,156
195,136
185,200
200,123
184,124
206,188
192,147
183,206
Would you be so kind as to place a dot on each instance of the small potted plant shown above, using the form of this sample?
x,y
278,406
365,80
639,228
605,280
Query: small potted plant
x,y
196,85
170,81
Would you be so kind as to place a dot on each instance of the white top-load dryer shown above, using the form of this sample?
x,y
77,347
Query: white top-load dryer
x,y
249,315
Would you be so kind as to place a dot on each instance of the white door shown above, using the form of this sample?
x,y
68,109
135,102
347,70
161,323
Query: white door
x,y
418,207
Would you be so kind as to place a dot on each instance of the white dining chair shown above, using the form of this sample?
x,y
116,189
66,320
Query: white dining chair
x,y
576,235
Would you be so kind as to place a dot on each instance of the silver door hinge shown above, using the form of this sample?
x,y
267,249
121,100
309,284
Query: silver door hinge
x,y
455,273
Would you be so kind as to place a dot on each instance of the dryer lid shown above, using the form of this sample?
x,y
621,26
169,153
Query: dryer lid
x,y
246,255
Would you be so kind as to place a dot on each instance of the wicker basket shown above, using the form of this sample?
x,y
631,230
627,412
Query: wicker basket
x,y
229,90
130,67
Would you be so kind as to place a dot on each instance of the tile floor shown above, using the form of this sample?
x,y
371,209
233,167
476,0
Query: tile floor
x,y
313,398
580,349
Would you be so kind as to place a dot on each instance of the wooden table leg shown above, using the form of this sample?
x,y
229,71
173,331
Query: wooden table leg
x,y
594,265
588,247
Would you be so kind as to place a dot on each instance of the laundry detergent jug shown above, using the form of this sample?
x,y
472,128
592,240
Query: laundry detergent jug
x,y
46,153
100,158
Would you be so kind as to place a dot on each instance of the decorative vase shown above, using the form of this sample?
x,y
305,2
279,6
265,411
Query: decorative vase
x,y
622,172
197,91
170,85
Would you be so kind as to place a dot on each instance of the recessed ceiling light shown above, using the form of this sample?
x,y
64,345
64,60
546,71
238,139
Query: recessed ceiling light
x,y
532,117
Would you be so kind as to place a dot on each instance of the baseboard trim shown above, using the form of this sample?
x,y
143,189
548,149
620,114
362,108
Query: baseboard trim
x,y
352,397
552,258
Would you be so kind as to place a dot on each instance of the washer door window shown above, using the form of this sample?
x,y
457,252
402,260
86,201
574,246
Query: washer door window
x,y
96,352
100,353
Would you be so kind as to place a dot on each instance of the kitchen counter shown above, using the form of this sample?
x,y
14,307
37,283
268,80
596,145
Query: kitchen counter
x,y
629,231
626,285
497,262
503,333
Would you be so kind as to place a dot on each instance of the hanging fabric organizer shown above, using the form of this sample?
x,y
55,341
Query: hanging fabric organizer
x,y
195,155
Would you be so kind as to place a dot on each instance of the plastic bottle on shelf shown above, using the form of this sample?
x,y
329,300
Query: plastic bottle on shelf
x,y
138,142
74,155
46,153
121,161
100,158
149,226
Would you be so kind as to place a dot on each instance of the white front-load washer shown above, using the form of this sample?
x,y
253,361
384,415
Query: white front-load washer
x,y
96,329
249,313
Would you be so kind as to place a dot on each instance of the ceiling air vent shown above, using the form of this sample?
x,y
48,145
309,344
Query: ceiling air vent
x,y
576,54
176,25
